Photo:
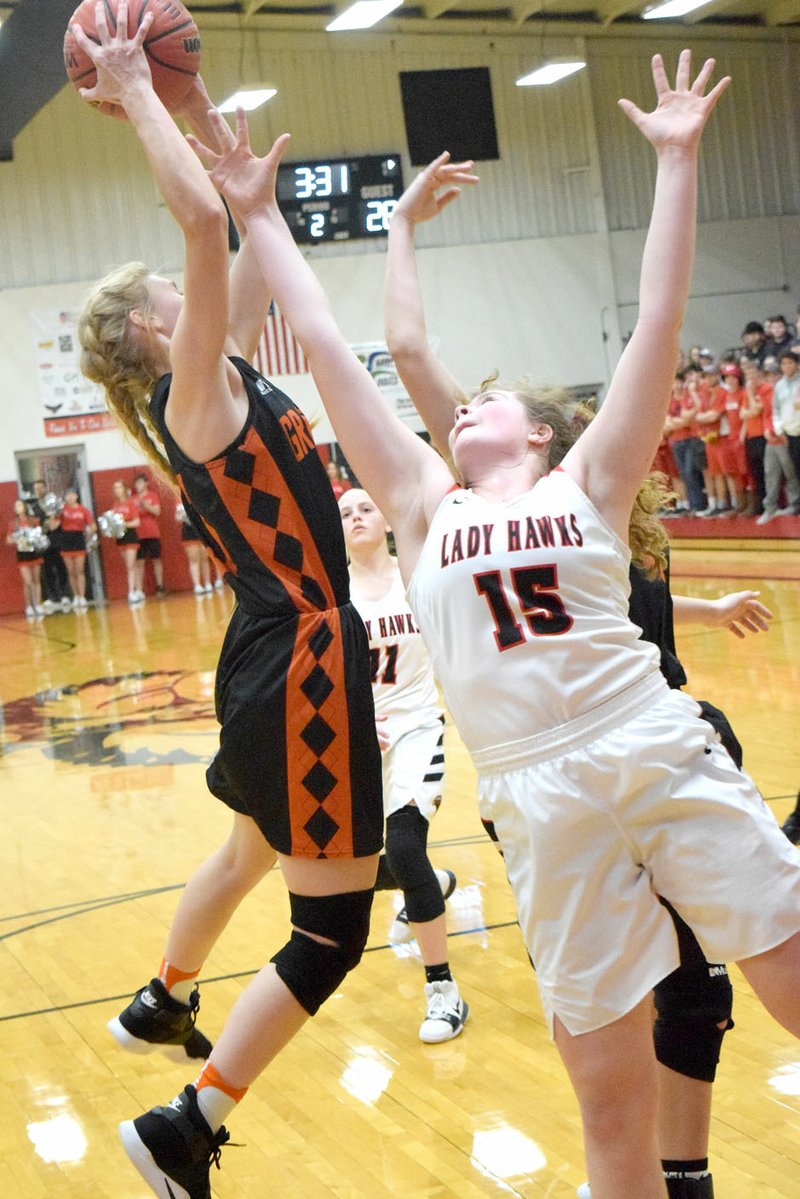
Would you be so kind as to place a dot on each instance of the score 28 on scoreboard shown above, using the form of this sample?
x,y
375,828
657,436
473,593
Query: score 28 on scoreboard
x,y
341,199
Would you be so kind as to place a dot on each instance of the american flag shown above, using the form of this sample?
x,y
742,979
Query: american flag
x,y
278,351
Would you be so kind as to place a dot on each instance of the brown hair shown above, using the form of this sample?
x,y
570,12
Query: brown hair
x,y
113,356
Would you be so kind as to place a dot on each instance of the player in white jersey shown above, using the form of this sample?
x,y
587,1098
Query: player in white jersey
x,y
631,792
411,731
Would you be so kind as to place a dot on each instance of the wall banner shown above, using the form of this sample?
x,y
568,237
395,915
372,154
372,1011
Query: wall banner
x,y
380,364
70,404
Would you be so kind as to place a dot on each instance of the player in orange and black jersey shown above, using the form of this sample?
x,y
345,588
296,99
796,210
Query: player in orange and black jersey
x,y
295,646
298,762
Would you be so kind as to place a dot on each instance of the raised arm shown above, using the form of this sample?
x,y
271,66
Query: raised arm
x,y
402,474
430,385
197,342
249,297
615,453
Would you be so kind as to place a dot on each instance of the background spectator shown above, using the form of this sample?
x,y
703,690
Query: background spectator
x,y
55,584
754,343
149,506
780,338
29,561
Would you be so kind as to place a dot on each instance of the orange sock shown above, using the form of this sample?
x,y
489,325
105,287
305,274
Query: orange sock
x,y
215,1097
210,1076
179,983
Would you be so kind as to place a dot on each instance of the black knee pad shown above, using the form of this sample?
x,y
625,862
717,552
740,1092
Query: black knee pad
x,y
407,856
313,971
385,880
692,1003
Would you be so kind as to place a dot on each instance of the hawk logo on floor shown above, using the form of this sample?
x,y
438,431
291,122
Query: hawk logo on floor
x,y
141,719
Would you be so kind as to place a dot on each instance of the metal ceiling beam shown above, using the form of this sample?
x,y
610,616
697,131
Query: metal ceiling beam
x,y
31,64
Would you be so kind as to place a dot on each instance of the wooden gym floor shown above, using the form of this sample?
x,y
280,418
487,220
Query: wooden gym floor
x,y
108,724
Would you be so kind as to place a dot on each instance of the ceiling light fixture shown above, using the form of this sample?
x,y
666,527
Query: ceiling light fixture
x,y
363,14
248,98
551,72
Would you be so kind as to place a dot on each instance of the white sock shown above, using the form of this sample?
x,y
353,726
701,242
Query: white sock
x,y
215,1106
182,990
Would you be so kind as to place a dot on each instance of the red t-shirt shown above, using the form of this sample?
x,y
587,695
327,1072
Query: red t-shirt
x,y
679,407
733,405
128,509
75,518
756,426
21,522
148,524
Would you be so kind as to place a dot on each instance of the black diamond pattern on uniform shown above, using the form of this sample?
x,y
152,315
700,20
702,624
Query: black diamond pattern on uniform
x,y
288,551
264,508
321,828
312,591
240,466
319,782
318,735
321,640
316,687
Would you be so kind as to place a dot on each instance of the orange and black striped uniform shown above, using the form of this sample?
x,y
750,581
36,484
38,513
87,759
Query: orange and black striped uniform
x,y
298,750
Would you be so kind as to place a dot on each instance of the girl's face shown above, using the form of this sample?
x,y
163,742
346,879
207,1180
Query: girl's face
x,y
167,303
120,491
19,508
492,419
71,498
363,523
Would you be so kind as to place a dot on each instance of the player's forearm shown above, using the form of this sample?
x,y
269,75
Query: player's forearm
x,y
688,609
403,311
179,175
669,249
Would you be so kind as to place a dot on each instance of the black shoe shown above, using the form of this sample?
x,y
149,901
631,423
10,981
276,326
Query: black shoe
x,y
690,1188
154,1020
173,1147
791,825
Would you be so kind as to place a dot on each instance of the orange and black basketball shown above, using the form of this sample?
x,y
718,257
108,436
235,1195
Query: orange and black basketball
x,y
172,47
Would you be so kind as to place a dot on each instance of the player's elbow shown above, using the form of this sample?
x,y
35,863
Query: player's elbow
x,y
206,219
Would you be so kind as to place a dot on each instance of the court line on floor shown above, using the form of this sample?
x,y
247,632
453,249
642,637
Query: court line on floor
x,y
221,978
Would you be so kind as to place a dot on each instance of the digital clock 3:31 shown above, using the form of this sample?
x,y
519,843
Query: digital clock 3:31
x,y
339,199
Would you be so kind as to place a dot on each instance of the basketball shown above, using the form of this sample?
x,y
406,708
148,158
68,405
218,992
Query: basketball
x,y
172,48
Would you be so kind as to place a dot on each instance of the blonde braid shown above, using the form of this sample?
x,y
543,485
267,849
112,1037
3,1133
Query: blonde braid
x,y
112,356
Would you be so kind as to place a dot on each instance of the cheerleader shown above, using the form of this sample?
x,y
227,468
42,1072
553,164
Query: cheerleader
x,y
76,524
29,561
197,558
128,543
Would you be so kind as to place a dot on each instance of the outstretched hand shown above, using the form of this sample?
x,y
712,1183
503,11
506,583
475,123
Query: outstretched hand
x,y
424,198
681,112
246,180
742,613
120,61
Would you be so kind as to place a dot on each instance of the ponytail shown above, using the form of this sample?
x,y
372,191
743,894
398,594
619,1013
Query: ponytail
x,y
113,356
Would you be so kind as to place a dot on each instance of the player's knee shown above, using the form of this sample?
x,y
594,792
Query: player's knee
x,y
311,969
407,856
694,1012
385,880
